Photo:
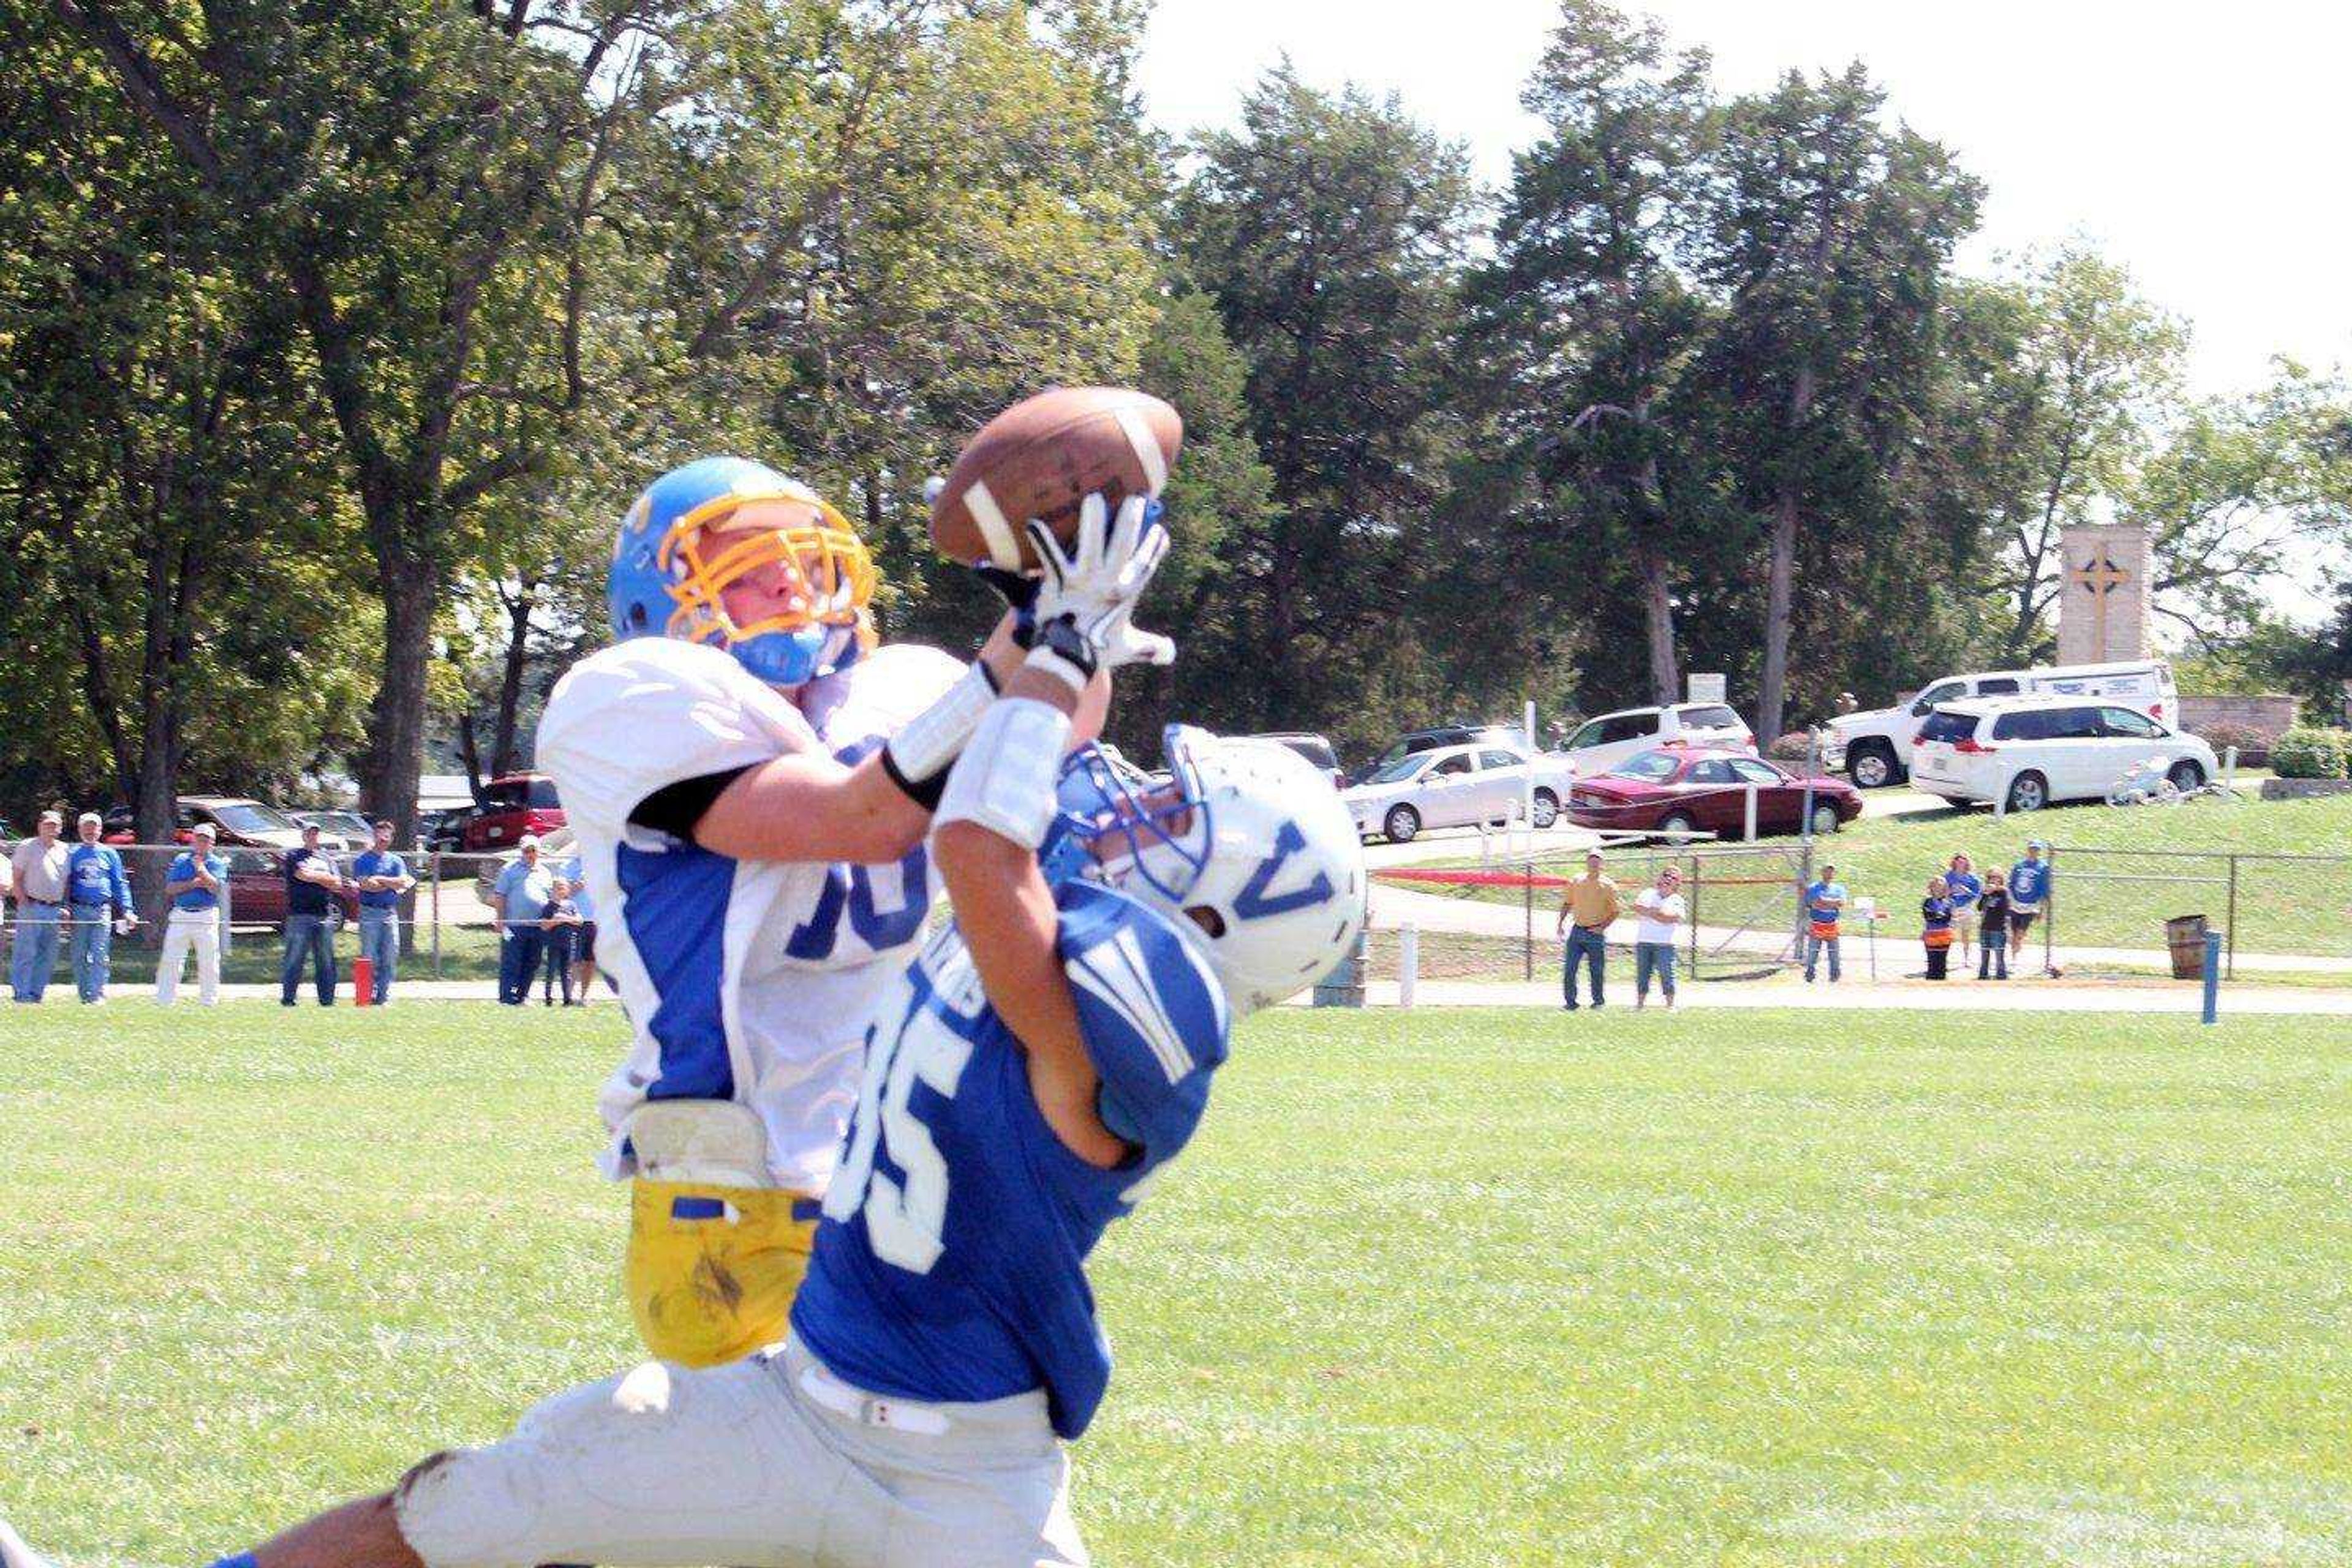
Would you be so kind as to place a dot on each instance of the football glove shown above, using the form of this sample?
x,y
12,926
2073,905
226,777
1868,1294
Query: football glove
x,y
1092,586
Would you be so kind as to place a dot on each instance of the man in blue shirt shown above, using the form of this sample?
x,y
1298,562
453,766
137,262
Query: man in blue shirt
x,y
2029,893
516,905
196,884
311,878
1824,900
98,897
382,877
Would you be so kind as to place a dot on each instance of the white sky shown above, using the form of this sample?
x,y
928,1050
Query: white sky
x,y
2204,148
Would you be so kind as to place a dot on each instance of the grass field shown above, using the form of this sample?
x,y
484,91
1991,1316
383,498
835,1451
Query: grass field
x,y
2284,906
1462,1288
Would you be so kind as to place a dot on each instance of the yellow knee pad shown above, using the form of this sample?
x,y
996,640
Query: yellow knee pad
x,y
712,1270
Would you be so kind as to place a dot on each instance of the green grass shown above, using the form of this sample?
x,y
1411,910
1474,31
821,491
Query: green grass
x,y
2284,906
1463,1289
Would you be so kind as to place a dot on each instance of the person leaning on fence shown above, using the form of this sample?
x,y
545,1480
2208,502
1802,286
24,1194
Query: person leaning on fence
x,y
382,877
193,885
99,895
2029,894
1825,903
1587,907
1935,926
520,898
1965,887
310,884
39,868
1660,911
1992,915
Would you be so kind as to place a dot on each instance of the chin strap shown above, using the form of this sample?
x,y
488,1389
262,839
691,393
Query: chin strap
x,y
1004,780
917,758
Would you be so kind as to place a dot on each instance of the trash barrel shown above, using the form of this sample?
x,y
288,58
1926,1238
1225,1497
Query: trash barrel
x,y
2185,934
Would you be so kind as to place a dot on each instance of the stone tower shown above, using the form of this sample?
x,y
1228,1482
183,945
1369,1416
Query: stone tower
x,y
2103,603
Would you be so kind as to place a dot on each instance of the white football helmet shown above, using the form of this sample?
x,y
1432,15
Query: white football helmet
x,y
1246,846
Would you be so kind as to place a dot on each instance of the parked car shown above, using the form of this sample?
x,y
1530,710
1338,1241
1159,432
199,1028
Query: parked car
x,y
1602,744
1413,741
353,831
238,823
443,831
1874,747
257,890
1315,749
1454,786
1677,791
511,806
2028,752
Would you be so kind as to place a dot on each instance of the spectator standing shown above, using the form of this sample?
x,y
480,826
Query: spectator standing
x,y
516,905
2029,894
584,940
1660,911
1935,926
99,895
1587,908
40,870
382,877
193,885
1825,903
562,923
1963,887
311,878
1992,913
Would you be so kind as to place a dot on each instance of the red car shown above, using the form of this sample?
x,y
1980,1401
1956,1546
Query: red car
x,y
1705,790
511,806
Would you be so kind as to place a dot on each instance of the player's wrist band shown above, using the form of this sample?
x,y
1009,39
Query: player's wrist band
x,y
917,758
1004,780
1064,652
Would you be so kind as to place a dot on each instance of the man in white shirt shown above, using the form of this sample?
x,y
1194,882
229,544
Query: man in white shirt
x,y
1659,909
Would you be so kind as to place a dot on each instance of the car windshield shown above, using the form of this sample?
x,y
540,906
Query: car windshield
x,y
253,817
1405,767
1656,766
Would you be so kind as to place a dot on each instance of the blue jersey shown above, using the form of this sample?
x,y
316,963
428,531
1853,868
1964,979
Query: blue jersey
x,y
1966,889
94,876
950,1263
2029,882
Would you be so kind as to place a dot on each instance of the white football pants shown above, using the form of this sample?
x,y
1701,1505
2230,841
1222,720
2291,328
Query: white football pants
x,y
741,1465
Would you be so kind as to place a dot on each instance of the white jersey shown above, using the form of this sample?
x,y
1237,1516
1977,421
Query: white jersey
x,y
748,981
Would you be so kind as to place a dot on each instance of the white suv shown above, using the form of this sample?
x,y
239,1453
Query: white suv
x,y
2028,752
1601,744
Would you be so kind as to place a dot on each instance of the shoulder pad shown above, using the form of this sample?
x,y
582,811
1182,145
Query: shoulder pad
x,y
1152,1014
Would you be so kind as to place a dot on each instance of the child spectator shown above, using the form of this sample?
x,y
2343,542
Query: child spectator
x,y
1935,926
561,920
1964,888
1824,901
1992,911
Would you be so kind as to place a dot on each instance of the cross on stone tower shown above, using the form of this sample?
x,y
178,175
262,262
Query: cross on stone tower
x,y
2109,619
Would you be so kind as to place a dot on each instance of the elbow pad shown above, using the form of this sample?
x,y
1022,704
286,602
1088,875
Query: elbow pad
x,y
1004,780
917,757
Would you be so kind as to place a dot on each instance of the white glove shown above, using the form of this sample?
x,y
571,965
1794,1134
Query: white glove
x,y
1096,584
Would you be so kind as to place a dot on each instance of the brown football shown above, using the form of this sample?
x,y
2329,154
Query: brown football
x,y
1044,456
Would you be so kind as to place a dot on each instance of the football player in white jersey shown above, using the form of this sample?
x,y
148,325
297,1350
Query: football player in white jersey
x,y
750,780
1029,1075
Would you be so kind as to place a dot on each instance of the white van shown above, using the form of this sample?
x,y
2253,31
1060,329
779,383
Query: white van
x,y
2028,752
1874,748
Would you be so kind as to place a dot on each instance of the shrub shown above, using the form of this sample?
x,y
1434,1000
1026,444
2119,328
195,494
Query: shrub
x,y
2306,754
2253,744
1792,747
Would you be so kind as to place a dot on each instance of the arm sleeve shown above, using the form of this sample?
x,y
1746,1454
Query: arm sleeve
x,y
676,808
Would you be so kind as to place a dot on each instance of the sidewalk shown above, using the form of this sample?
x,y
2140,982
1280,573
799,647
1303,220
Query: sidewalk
x,y
1911,996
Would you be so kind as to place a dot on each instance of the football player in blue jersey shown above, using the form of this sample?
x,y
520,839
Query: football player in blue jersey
x,y
749,779
1029,1074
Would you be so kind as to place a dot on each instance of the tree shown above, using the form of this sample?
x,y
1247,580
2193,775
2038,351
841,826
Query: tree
x,y
1329,231
1829,235
1589,314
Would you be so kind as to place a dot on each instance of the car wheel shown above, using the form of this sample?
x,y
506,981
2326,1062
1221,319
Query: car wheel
x,y
1401,823
2028,792
2186,776
1873,766
1547,808
1825,820
1678,825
